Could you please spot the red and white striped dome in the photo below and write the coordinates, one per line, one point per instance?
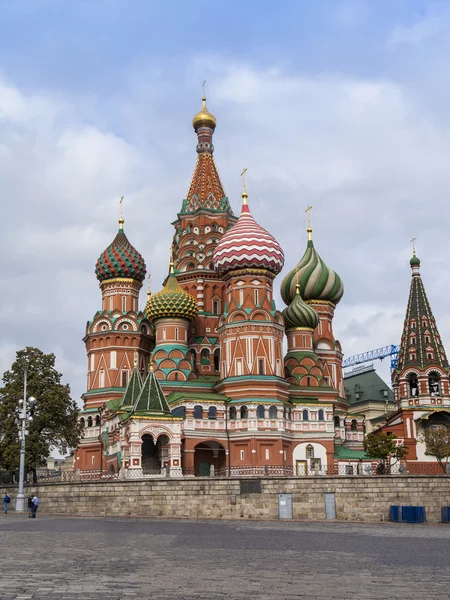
(247, 245)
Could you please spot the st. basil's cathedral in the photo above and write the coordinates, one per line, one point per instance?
(210, 378)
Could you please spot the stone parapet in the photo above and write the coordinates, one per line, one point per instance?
(365, 499)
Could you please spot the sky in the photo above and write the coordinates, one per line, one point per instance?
(339, 104)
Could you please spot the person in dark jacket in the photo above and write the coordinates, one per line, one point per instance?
(6, 501)
(30, 506)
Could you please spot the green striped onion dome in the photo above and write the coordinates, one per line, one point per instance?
(120, 259)
(316, 280)
(300, 314)
(171, 301)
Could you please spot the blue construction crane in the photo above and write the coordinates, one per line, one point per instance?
(379, 354)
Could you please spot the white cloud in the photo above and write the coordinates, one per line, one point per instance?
(425, 27)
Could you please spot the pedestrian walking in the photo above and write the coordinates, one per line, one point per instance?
(35, 506)
(6, 501)
(30, 506)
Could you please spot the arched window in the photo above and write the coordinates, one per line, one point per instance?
(309, 451)
(272, 412)
(413, 385)
(321, 415)
(260, 412)
(97, 421)
(215, 307)
(204, 356)
(427, 339)
(198, 412)
(233, 413)
(89, 422)
(354, 425)
(434, 384)
(244, 412)
(337, 421)
(217, 359)
(82, 422)
(212, 412)
(305, 415)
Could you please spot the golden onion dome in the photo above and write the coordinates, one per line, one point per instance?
(171, 301)
(204, 118)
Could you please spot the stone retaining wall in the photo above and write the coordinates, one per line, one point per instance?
(357, 498)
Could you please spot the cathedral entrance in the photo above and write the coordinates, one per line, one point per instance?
(209, 459)
(154, 455)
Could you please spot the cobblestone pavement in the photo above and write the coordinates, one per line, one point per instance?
(68, 558)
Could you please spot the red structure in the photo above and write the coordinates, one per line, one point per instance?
(199, 382)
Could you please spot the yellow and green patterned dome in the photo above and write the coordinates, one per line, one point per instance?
(300, 314)
(171, 301)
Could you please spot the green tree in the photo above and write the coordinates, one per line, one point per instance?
(437, 440)
(55, 422)
(384, 447)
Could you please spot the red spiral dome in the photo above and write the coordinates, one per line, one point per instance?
(247, 245)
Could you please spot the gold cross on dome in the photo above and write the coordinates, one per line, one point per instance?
(413, 242)
(149, 293)
(244, 179)
(308, 210)
(204, 90)
(120, 202)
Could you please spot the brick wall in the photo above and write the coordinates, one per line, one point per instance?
(357, 498)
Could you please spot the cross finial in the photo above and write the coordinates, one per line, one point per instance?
(413, 242)
(171, 258)
(244, 179)
(309, 228)
(204, 89)
(149, 293)
(121, 219)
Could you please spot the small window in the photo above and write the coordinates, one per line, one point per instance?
(82, 422)
(242, 455)
(267, 453)
(337, 421)
(261, 366)
(176, 333)
(102, 378)
(260, 412)
(212, 412)
(309, 451)
(354, 425)
(215, 307)
(93, 460)
(124, 303)
(308, 381)
(305, 415)
(256, 292)
(244, 412)
(124, 378)
(427, 339)
(176, 376)
(164, 333)
(272, 412)
(198, 412)
(97, 421)
(89, 422)
(321, 415)
(233, 413)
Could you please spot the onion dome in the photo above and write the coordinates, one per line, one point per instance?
(247, 245)
(120, 259)
(415, 261)
(317, 281)
(171, 301)
(204, 118)
(300, 314)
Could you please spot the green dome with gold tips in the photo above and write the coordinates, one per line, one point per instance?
(300, 314)
(317, 281)
(415, 261)
(171, 301)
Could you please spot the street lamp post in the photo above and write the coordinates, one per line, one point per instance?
(24, 418)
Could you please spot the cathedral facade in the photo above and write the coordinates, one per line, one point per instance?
(211, 378)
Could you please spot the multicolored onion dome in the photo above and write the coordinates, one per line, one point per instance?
(316, 280)
(204, 118)
(247, 245)
(171, 301)
(120, 259)
(300, 314)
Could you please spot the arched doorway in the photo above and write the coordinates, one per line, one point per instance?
(154, 456)
(209, 458)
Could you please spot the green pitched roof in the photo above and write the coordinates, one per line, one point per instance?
(366, 385)
(151, 398)
(348, 453)
(133, 389)
(201, 396)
